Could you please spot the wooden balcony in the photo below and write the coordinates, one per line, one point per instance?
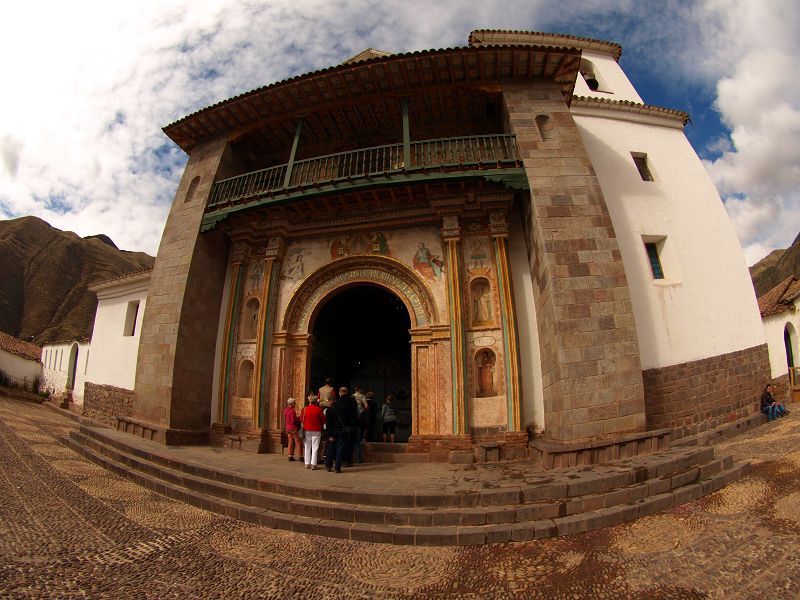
(491, 156)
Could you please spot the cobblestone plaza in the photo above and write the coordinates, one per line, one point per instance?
(70, 529)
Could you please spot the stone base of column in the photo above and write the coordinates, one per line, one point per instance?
(164, 435)
(442, 448)
(257, 440)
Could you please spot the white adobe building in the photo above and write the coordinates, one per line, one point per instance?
(64, 369)
(20, 361)
(780, 312)
(101, 370)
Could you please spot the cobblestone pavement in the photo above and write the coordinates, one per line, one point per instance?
(69, 529)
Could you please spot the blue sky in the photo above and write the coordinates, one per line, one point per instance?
(90, 87)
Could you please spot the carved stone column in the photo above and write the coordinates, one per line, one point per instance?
(239, 253)
(451, 234)
(498, 228)
(272, 258)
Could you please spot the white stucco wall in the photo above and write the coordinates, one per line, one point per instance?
(112, 360)
(706, 305)
(611, 77)
(56, 364)
(774, 327)
(530, 365)
(20, 369)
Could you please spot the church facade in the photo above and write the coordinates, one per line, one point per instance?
(503, 236)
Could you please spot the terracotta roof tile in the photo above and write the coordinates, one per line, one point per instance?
(19, 348)
(780, 298)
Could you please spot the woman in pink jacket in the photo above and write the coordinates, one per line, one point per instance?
(313, 420)
(292, 427)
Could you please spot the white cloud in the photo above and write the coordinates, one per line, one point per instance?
(93, 83)
(758, 96)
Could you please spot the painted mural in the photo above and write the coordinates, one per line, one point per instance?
(359, 243)
(426, 263)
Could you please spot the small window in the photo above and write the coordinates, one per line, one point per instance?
(640, 160)
(130, 318)
(655, 261)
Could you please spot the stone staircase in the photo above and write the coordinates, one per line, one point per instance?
(546, 504)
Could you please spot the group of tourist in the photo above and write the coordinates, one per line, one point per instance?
(343, 421)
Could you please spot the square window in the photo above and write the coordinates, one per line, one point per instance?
(130, 318)
(655, 261)
(640, 160)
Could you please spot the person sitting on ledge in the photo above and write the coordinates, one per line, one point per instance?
(770, 407)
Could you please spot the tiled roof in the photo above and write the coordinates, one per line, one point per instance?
(22, 349)
(480, 37)
(630, 107)
(140, 275)
(780, 298)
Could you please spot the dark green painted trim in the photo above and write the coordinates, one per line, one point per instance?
(513, 178)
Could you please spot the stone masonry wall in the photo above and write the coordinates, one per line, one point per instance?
(695, 396)
(587, 335)
(176, 353)
(105, 402)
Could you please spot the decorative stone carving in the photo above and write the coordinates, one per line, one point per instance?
(383, 271)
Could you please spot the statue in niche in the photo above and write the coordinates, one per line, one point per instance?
(250, 324)
(257, 275)
(487, 385)
(481, 302)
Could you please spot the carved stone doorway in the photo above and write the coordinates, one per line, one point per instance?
(361, 337)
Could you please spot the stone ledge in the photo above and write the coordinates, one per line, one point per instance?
(164, 435)
(552, 455)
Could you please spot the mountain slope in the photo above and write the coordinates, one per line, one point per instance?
(45, 271)
(775, 267)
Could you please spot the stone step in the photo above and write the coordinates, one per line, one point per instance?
(477, 525)
(550, 486)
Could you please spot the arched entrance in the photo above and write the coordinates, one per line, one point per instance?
(361, 337)
(789, 343)
(295, 346)
(72, 367)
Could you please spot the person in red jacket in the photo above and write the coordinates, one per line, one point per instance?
(292, 427)
(313, 420)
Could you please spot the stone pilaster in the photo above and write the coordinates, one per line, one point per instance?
(272, 258)
(176, 354)
(451, 234)
(229, 341)
(498, 227)
(591, 368)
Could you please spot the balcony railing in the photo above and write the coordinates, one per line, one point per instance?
(463, 153)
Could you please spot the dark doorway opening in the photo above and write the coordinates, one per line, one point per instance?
(361, 337)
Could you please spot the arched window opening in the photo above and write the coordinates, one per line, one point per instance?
(790, 344)
(249, 330)
(546, 126)
(72, 367)
(244, 387)
(592, 78)
(485, 368)
(190, 193)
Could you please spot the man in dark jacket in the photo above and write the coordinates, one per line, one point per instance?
(341, 420)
